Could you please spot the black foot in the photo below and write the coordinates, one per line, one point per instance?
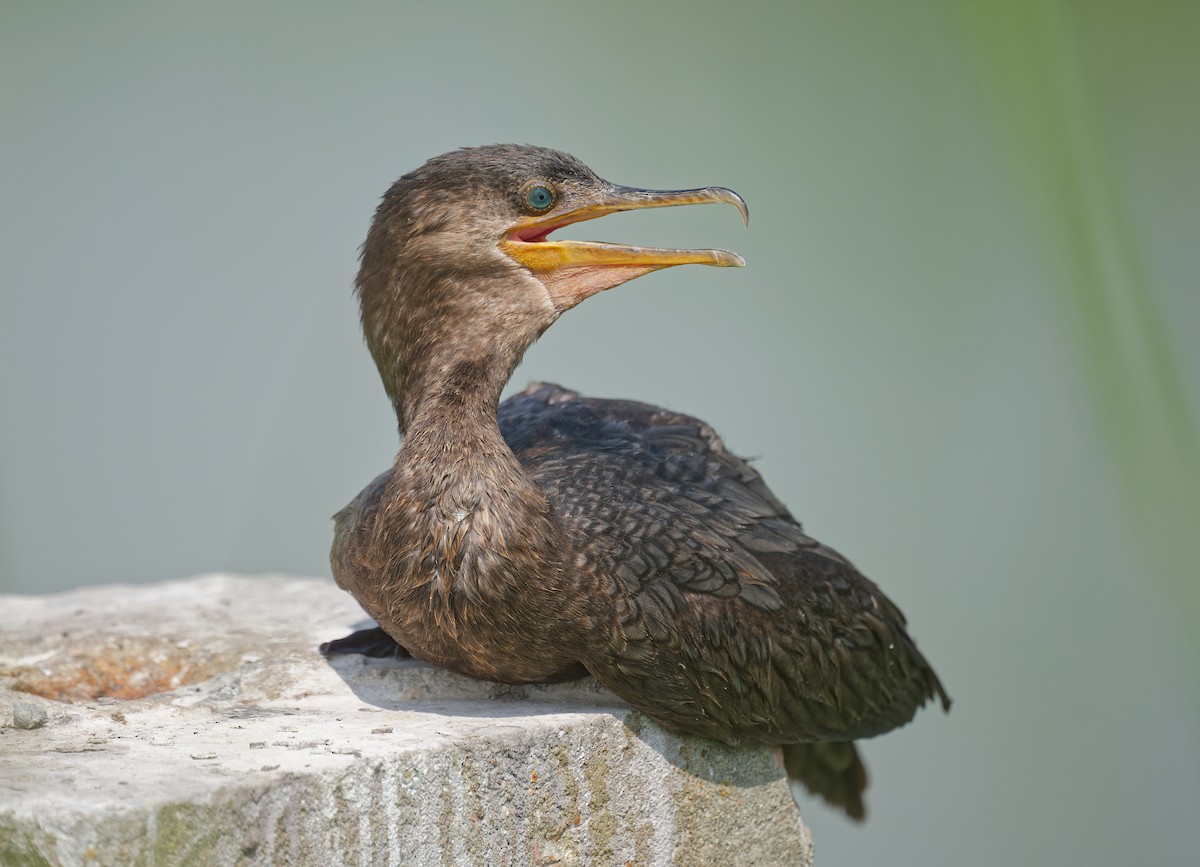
(369, 642)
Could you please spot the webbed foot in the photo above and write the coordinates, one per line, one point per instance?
(374, 643)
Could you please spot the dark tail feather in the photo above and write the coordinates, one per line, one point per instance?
(831, 769)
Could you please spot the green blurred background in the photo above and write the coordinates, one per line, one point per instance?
(965, 346)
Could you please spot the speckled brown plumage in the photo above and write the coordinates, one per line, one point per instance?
(555, 535)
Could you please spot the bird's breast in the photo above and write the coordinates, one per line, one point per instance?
(460, 584)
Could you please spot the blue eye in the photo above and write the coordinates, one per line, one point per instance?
(540, 198)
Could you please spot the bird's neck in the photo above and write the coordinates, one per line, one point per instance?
(445, 346)
(444, 363)
(446, 337)
(455, 402)
(459, 495)
(447, 413)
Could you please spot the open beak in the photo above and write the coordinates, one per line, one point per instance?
(574, 270)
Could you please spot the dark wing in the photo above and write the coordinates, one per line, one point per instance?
(726, 619)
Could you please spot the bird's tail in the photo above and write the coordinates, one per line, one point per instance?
(831, 769)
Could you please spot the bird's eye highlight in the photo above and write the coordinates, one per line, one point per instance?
(540, 198)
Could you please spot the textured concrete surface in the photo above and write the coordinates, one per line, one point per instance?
(194, 722)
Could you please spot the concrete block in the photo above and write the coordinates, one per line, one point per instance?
(194, 722)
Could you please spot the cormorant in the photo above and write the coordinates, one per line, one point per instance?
(556, 535)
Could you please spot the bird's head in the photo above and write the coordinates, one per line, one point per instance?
(459, 264)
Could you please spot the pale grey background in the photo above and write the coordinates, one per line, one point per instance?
(183, 189)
